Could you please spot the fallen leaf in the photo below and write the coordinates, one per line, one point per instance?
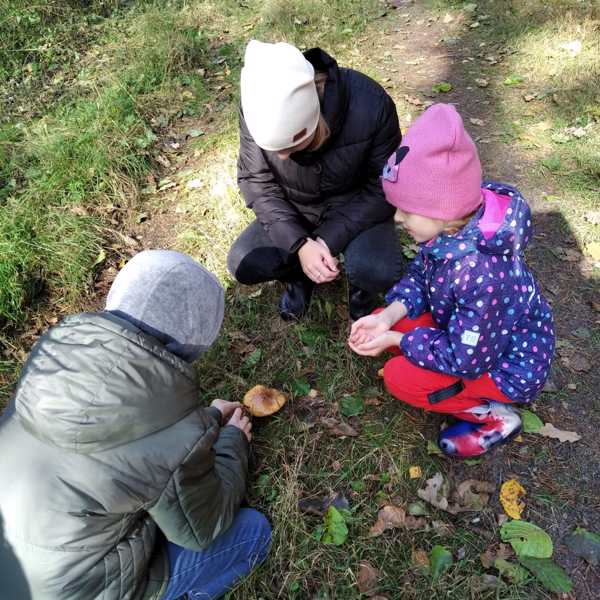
(531, 422)
(514, 573)
(415, 472)
(479, 122)
(448, 18)
(548, 430)
(380, 373)
(579, 363)
(336, 530)
(548, 573)
(585, 544)
(389, 517)
(413, 100)
(337, 428)
(510, 496)
(513, 80)
(415, 523)
(527, 539)
(435, 492)
(442, 87)
(483, 583)
(529, 97)
(482, 83)
(194, 133)
(471, 495)
(373, 402)
(433, 448)
(442, 528)
(420, 558)
(417, 509)
(491, 554)
(100, 258)
(367, 579)
(351, 406)
(440, 560)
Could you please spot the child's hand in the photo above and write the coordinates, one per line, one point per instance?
(240, 420)
(225, 407)
(368, 328)
(376, 346)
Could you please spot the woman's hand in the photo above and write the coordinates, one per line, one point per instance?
(225, 407)
(240, 420)
(317, 262)
(375, 346)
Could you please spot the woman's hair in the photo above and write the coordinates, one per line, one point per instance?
(321, 135)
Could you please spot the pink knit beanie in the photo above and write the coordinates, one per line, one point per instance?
(436, 171)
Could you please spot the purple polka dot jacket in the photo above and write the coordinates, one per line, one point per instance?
(491, 316)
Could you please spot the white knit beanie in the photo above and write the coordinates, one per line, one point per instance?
(279, 95)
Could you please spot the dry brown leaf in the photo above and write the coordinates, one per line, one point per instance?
(442, 528)
(337, 428)
(435, 492)
(503, 551)
(579, 363)
(372, 402)
(471, 494)
(420, 558)
(388, 517)
(368, 578)
(548, 430)
(415, 523)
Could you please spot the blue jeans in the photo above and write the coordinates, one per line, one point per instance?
(208, 574)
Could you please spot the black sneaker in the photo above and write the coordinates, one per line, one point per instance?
(295, 300)
(360, 302)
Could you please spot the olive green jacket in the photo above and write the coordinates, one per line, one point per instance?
(104, 453)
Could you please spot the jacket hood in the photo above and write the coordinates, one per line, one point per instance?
(95, 381)
(502, 225)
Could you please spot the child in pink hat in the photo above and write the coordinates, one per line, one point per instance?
(472, 333)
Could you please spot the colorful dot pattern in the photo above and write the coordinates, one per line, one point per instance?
(482, 286)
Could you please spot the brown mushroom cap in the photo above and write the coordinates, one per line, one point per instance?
(262, 401)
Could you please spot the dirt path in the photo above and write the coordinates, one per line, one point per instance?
(411, 50)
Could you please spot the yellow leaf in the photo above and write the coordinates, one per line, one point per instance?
(415, 472)
(510, 495)
(380, 373)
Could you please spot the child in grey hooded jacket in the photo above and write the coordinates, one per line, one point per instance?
(121, 485)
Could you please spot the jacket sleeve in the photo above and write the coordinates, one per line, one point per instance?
(261, 192)
(411, 290)
(349, 214)
(204, 494)
(479, 329)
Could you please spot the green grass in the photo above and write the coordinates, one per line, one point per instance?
(562, 86)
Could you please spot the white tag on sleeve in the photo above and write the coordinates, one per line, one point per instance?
(469, 338)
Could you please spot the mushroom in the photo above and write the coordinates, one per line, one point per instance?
(262, 401)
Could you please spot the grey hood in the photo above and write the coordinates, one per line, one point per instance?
(172, 297)
(96, 381)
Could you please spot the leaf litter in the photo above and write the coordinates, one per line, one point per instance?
(470, 495)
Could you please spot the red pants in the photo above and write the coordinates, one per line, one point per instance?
(422, 388)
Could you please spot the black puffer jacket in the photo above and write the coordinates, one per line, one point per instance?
(334, 193)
